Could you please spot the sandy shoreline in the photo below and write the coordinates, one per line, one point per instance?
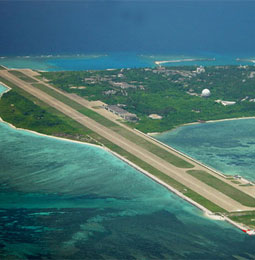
(8, 89)
(50, 136)
(196, 123)
(159, 62)
(207, 213)
(221, 120)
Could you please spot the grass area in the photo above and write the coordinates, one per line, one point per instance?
(25, 111)
(236, 182)
(204, 202)
(247, 218)
(22, 76)
(246, 185)
(223, 187)
(230, 178)
(2, 68)
(178, 186)
(162, 153)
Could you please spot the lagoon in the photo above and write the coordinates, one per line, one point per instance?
(227, 146)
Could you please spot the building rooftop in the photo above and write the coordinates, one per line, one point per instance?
(121, 112)
(117, 109)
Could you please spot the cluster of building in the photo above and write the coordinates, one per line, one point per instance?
(171, 72)
(119, 111)
(199, 70)
(182, 73)
(125, 85)
(225, 103)
(116, 81)
(206, 93)
(155, 116)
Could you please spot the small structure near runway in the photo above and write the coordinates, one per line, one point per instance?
(122, 113)
(155, 116)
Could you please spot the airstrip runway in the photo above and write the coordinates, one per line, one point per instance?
(179, 174)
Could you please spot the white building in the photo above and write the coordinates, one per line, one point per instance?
(155, 116)
(200, 69)
(206, 93)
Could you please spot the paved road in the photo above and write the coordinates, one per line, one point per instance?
(178, 174)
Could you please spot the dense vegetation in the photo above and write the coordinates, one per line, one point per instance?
(247, 217)
(23, 113)
(173, 93)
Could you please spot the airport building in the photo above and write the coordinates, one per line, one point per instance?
(122, 113)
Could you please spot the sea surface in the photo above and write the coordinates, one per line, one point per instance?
(85, 35)
(165, 27)
(227, 146)
(60, 199)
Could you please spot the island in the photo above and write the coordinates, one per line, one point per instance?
(116, 109)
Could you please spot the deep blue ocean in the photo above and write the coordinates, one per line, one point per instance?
(152, 27)
(62, 200)
(115, 34)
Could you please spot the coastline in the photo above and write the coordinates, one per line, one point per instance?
(192, 159)
(206, 213)
(50, 136)
(184, 155)
(153, 135)
(196, 123)
(159, 62)
(219, 120)
(5, 91)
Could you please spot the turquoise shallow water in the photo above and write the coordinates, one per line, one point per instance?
(227, 146)
(119, 60)
(60, 199)
(2, 89)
